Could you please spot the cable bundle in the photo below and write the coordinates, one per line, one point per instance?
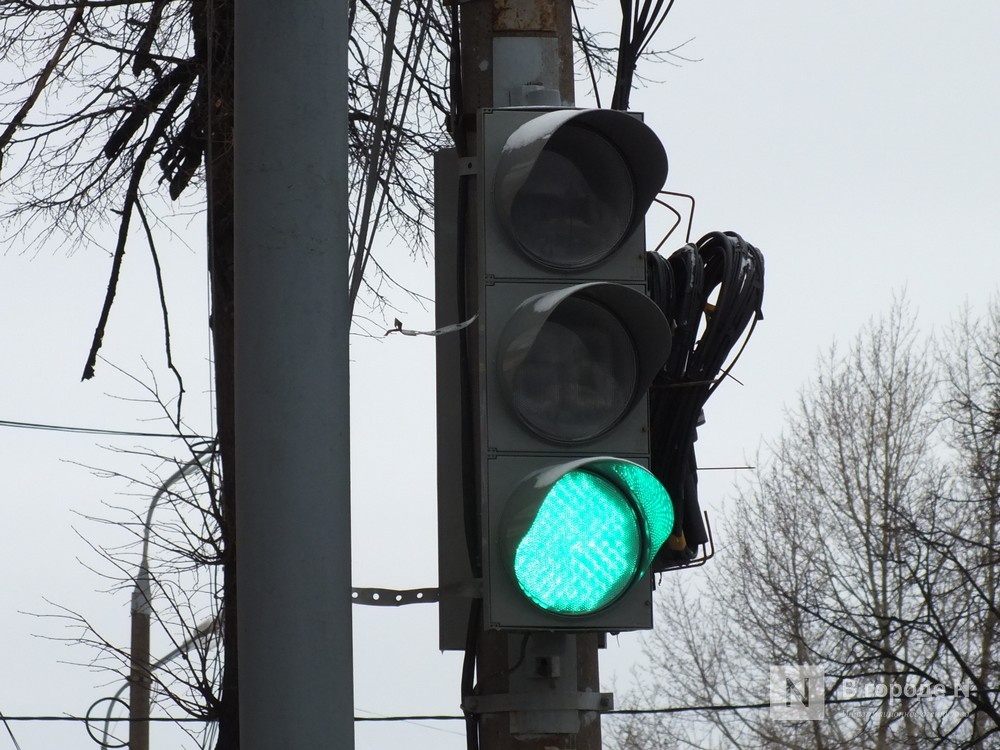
(723, 265)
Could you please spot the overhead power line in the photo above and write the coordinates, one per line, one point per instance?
(449, 717)
(97, 430)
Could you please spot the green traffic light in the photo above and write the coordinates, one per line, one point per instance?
(593, 535)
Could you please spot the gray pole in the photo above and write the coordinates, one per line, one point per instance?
(291, 375)
(139, 678)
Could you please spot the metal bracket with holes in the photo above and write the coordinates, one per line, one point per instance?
(398, 597)
(393, 597)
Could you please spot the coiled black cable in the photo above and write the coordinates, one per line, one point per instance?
(720, 265)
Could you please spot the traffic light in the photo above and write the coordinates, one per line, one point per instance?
(567, 344)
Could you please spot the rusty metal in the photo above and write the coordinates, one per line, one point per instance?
(526, 16)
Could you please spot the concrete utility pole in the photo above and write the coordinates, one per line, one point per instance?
(513, 48)
(291, 374)
(139, 677)
(140, 669)
(516, 53)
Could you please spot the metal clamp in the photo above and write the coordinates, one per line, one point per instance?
(499, 703)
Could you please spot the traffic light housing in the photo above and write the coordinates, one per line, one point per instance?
(567, 344)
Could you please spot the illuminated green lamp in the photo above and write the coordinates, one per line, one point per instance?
(578, 536)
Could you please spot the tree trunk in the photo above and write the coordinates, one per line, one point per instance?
(220, 21)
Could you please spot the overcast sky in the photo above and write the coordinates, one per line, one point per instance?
(852, 141)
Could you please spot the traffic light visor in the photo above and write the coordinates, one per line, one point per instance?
(578, 535)
(572, 185)
(574, 361)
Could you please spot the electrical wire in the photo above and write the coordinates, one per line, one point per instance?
(10, 731)
(720, 266)
(84, 719)
(457, 127)
(639, 25)
(717, 707)
(382, 717)
(98, 431)
(469, 671)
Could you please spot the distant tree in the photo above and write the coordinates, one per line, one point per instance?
(867, 545)
(963, 596)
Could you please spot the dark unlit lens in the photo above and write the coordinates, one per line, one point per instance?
(575, 208)
(579, 377)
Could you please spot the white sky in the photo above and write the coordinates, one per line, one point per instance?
(852, 141)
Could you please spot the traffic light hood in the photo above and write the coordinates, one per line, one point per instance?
(582, 178)
(576, 536)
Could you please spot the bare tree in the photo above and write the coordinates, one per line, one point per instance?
(122, 114)
(864, 546)
(124, 105)
(168, 556)
(964, 548)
